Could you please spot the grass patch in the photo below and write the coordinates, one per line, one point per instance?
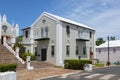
(99, 65)
(58, 66)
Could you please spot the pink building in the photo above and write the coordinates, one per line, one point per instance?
(114, 51)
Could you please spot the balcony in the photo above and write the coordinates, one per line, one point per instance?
(42, 36)
(83, 37)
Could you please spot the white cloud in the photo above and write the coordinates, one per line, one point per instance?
(103, 15)
(107, 23)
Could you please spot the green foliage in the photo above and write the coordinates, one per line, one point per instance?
(18, 44)
(15, 45)
(58, 66)
(19, 38)
(112, 38)
(21, 47)
(75, 64)
(8, 67)
(99, 41)
(24, 56)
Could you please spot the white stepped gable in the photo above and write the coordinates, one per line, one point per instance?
(0, 18)
(12, 30)
(4, 18)
(17, 29)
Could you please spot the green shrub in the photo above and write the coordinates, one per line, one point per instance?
(8, 67)
(24, 56)
(21, 47)
(75, 64)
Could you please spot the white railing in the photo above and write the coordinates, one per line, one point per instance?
(16, 54)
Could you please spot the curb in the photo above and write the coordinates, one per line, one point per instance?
(60, 75)
(105, 66)
(47, 77)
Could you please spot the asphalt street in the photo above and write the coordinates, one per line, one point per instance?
(107, 73)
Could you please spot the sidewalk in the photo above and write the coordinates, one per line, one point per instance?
(37, 74)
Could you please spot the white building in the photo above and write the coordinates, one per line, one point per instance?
(8, 30)
(114, 51)
(52, 38)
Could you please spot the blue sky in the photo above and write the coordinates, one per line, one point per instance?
(103, 15)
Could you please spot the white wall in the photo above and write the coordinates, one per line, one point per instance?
(51, 24)
(8, 75)
(26, 40)
(73, 42)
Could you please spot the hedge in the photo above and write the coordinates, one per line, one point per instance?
(8, 67)
(75, 64)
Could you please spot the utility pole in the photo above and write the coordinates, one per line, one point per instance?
(108, 62)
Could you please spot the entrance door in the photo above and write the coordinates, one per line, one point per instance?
(2, 40)
(91, 55)
(43, 54)
(35, 51)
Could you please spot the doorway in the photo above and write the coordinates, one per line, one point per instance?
(91, 55)
(2, 39)
(43, 54)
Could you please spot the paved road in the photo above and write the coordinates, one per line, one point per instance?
(109, 73)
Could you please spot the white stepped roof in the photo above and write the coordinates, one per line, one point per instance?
(114, 43)
(62, 19)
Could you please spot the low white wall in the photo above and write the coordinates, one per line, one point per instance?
(8, 75)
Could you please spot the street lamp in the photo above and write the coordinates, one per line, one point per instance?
(108, 62)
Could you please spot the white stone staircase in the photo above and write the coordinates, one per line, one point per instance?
(16, 54)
